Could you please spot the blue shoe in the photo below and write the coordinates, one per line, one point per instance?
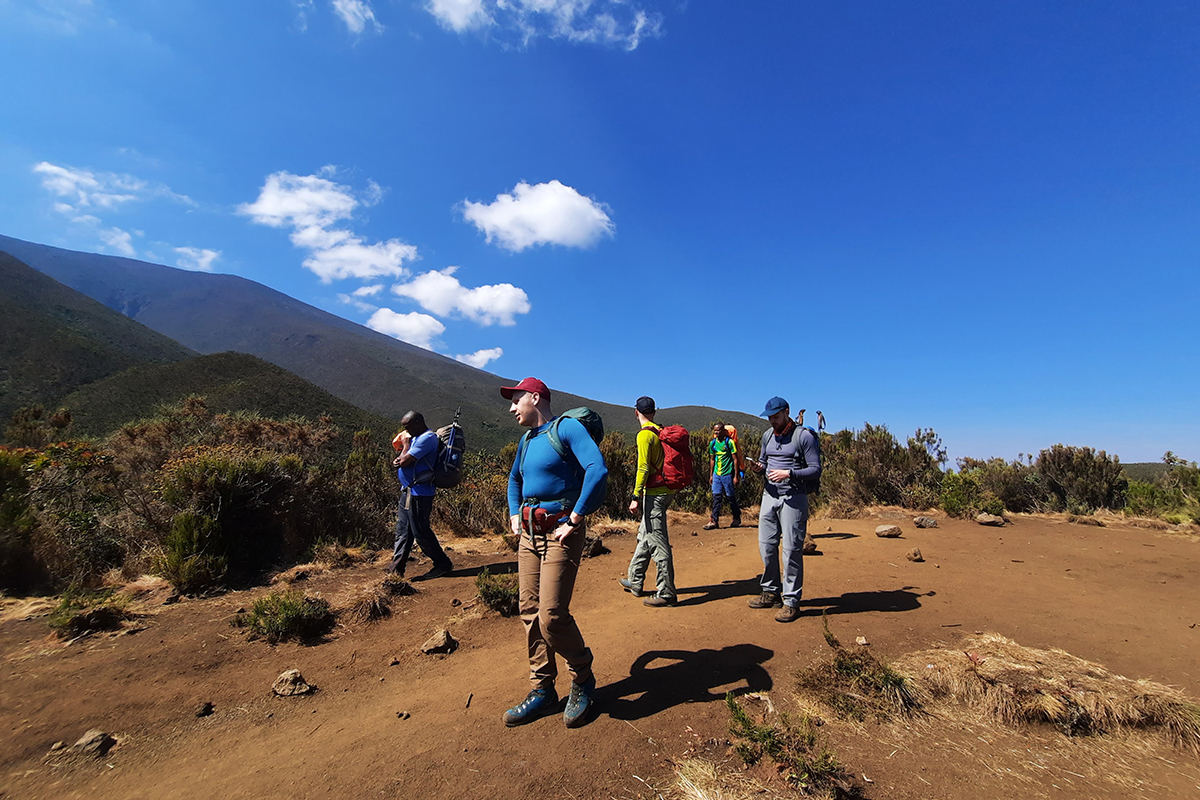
(539, 703)
(579, 703)
(628, 586)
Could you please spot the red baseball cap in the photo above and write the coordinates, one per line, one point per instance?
(527, 385)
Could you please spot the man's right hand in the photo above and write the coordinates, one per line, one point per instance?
(515, 522)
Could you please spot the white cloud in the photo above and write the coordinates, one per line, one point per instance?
(547, 213)
(480, 358)
(414, 328)
(357, 14)
(311, 205)
(83, 188)
(459, 15)
(196, 259)
(368, 291)
(361, 305)
(618, 23)
(441, 293)
(119, 240)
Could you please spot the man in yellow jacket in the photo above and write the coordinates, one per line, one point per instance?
(651, 498)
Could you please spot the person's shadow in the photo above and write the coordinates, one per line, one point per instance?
(685, 677)
(855, 602)
(718, 591)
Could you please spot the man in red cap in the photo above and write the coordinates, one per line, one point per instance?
(557, 478)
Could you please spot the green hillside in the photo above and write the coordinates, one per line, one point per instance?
(1145, 471)
(228, 381)
(54, 339)
(218, 313)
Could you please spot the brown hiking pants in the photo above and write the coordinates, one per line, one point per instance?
(547, 571)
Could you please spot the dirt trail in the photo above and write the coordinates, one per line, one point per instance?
(1124, 597)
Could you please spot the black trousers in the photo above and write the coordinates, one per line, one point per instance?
(412, 523)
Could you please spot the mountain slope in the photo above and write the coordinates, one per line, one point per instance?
(216, 313)
(54, 339)
(227, 381)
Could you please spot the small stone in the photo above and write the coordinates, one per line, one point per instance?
(291, 683)
(57, 746)
(925, 522)
(694, 533)
(204, 709)
(861, 641)
(914, 555)
(888, 531)
(456, 602)
(394, 662)
(594, 546)
(989, 519)
(402, 715)
(440, 642)
(95, 742)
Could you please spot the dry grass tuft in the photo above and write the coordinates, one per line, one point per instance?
(300, 572)
(369, 603)
(856, 685)
(1076, 519)
(1017, 685)
(395, 586)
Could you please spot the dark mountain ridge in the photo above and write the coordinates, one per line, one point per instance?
(215, 313)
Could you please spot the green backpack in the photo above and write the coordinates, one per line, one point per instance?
(589, 419)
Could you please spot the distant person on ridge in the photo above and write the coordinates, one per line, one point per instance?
(415, 471)
(790, 459)
(722, 462)
(548, 497)
(652, 540)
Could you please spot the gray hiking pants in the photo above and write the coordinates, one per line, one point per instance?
(652, 542)
(782, 524)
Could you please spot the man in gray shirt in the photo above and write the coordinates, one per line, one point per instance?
(791, 460)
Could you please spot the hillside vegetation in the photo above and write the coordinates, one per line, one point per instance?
(229, 382)
(54, 339)
(217, 313)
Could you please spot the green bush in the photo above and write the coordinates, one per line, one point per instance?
(793, 744)
(189, 560)
(288, 614)
(1081, 480)
(964, 496)
(1017, 485)
(20, 570)
(499, 592)
(81, 611)
(870, 467)
(479, 504)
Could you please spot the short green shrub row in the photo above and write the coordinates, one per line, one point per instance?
(287, 614)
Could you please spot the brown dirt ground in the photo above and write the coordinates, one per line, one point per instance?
(1122, 596)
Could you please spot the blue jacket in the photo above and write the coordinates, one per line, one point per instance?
(549, 478)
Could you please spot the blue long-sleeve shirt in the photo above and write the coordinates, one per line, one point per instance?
(779, 452)
(548, 477)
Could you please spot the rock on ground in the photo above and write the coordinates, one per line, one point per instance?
(291, 683)
(989, 519)
(440, 642)
(94, 743)
(888, 531)
(914, 555)
(594, 546)
(925, 522)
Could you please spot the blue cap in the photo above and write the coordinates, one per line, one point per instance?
(774, 406)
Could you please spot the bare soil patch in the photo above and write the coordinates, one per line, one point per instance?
(387, 721)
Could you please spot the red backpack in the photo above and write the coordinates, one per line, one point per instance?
(678, 471)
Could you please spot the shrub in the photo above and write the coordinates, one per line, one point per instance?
(1017, 485)
(288, 614)
(498, 592)
(19, 568)
(479, 504)
(1081, 480)
(189, 561)
(80, 612)
(871, 467)
(963, 496)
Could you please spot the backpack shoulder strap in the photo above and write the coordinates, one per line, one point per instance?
(522, 446)
(556, 441)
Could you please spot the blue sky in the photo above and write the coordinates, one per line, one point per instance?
(981, 218)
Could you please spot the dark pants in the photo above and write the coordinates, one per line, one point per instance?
(412, 522)
(722, 486)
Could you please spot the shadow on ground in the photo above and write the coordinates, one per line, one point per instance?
(684, 676)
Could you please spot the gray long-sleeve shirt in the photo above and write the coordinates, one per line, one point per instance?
(798, 454)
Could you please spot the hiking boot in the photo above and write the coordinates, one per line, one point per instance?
(711, 526)
(767, 600)
(579, 703)
(737, 523)
(659, 602)
(788, 614)
(539, 703)
(436, 572)
(628, 586)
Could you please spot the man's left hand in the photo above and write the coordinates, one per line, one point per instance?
(633, 506)
(563, 531)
